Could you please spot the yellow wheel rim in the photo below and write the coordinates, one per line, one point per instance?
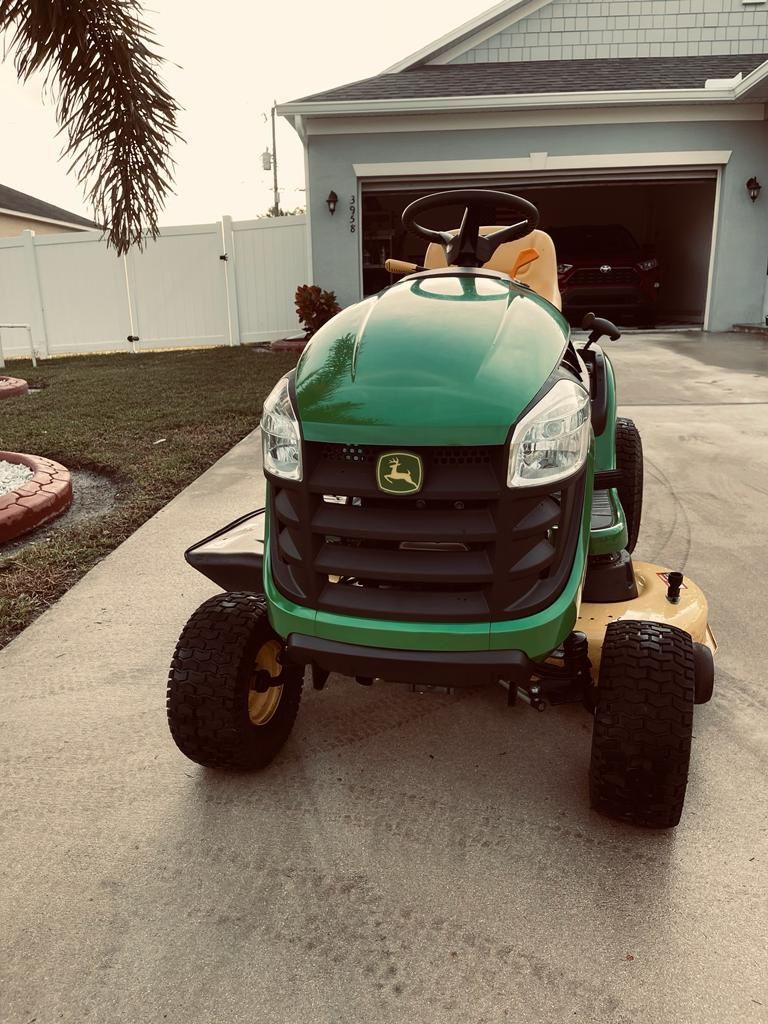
(262, 706)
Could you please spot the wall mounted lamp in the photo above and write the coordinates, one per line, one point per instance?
(332, 202)
(753, 187)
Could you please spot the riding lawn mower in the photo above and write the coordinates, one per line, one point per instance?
(451, 500)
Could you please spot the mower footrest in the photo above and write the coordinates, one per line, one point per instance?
(602, 511)
(437, 668)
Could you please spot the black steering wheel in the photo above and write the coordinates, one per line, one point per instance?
(469, 248)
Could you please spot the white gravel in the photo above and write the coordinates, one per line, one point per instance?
(12, 475)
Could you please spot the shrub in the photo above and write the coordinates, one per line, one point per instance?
(315, 307)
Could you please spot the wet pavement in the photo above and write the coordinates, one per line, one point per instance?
(408, 858)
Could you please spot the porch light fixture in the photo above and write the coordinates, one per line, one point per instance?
(332, 202)
(753, 187)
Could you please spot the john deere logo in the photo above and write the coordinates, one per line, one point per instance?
(399, 473)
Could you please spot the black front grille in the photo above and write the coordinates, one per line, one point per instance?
(465, 548)
(594, 275)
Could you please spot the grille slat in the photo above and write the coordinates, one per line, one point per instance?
(444, 606)
(541, 517)
(534, 561)
(406, 566)
(439, 455)
(286, 510)
(288, 546)
(358, 479)
(468, 526)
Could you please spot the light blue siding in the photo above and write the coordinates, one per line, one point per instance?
(563, 30)
(742, 240)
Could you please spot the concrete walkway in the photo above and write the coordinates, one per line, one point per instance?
(419, 859)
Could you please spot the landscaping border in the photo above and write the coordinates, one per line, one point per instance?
(12, 386)
(46, 494)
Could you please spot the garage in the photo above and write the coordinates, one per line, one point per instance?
(635, 246)
(655, 148)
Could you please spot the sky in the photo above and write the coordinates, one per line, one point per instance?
(226, 71)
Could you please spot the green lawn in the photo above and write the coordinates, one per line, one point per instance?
(103, 413)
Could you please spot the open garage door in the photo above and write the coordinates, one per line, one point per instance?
(664, 215)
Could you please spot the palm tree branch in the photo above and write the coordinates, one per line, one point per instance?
(100, 60)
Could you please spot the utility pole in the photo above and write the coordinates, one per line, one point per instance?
(276, 207)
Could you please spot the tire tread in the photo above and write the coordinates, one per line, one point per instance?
(629, 459)
(643, 727)
(206, 698)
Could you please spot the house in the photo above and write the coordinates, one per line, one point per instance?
(20, 212)
(645, 113)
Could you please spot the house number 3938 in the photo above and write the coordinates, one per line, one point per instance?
(353, 214)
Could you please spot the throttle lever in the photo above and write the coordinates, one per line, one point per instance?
(599, 327)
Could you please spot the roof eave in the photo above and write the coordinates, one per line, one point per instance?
(23, 215)
(521, 101)
(753, 86)
(461, 34)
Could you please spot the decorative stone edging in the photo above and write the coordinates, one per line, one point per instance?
(46, 494)
(12, 386)
(289, 345)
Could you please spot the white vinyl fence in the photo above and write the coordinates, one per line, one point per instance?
(203, 284)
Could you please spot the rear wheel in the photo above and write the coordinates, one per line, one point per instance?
(641, 743)
(231, 702)
(629, 459)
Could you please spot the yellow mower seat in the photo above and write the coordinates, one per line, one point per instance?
(540, 274)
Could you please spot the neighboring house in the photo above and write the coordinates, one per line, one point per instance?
(646, 114)
(20, 212)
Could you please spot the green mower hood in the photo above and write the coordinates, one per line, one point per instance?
(439, 359)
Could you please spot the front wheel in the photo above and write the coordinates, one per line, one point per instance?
(231, 702)
(641, 742)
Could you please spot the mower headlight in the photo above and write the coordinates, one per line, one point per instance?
(280, 436)
(551, 442)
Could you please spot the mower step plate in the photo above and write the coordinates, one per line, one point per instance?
(603, 516)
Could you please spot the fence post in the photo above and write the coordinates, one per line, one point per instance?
(230, 280)
(37, 310)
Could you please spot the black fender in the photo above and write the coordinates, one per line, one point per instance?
(233, 557)
(598, 377)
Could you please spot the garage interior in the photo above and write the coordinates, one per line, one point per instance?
(672, 218)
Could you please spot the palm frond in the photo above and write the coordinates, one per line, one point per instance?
(100, 61)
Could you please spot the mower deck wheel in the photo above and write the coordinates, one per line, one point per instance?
(224, 710)
(705, 673)
(641, 742)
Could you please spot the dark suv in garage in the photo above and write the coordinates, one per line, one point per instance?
(602, 268)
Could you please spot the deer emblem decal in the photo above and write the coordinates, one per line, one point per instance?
(399, 473)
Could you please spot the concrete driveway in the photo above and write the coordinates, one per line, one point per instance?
(420, 859)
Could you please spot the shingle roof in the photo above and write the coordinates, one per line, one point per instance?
(544, 76)
(21, 203)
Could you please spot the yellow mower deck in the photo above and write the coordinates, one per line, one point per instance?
(650, 605)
